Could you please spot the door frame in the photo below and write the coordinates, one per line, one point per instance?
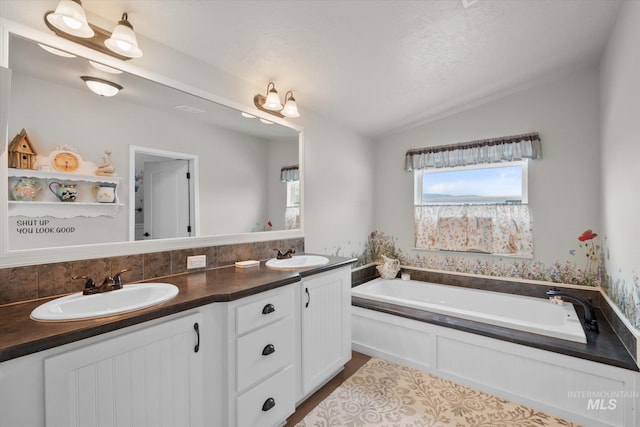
(193, 182)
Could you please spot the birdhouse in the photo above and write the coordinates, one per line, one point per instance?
(21, 152)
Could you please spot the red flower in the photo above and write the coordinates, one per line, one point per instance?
(269, 224)
(587, 235)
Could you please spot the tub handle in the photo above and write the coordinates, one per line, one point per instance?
(308, 297)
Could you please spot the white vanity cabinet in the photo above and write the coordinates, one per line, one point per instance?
(325, 328)
(149, 377)
(260, 351)
(146, 374)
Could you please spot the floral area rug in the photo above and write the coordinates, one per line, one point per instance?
(382, 393)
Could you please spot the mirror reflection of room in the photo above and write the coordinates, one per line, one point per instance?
(240, 188)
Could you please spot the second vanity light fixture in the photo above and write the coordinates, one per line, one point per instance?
(272, 105)
(70, 22)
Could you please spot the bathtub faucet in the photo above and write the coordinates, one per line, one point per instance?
(589, 313)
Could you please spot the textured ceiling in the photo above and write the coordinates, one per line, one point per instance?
(377, 66)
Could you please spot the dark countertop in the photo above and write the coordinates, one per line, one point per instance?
(21, 336)
(604, 347)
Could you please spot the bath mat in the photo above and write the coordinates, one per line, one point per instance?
(382, 393)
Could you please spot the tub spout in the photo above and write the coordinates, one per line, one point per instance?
(590, 320)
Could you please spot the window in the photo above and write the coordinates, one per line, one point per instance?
(293, 194)
(493, 183)
(480, 208)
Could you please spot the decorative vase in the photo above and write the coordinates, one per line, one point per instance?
(26, 189)
(104, 193)
(64, 192)
(389, 268)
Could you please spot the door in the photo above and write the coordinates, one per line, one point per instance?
(167, 199)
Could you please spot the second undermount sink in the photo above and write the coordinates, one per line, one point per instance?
(299, 261)
(81, 307)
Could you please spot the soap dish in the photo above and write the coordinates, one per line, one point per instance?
(247, 264)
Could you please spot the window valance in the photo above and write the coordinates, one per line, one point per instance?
(504, 149)
(289, 173)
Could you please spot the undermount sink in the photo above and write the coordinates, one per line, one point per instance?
(81, 307)
(299, 261)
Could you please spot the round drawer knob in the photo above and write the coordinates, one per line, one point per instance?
(268, 404)
(268, 349)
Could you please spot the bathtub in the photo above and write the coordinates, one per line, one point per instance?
(528, 314)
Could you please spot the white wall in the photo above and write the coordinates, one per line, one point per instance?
(620, 92)
(563, 186)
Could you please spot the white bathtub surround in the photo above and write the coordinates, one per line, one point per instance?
(589, 393)
(522, 313)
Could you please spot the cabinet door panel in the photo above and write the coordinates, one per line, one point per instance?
(326, 333)
(147, 377)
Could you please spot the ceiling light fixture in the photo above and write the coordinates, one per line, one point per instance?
(272, 105)
(121, 44)
(123, 40)
(69, 17)
(101, 87)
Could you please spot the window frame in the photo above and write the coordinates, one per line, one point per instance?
(418, 177)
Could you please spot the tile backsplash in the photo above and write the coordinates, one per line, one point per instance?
(45, 280)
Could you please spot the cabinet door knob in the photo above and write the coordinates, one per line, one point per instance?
(268, 349)
(268, 404)
(269, 308)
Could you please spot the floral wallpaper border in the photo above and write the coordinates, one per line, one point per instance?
(624, 295)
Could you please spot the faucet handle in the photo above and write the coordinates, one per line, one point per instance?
(117, 279)
(89, 286)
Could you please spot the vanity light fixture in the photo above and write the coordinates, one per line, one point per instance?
(70, 18)
(101, 87)
(272, 105)
(290, 107)
(123, 40)
(121, 44)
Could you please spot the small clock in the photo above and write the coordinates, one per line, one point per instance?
(65, 161)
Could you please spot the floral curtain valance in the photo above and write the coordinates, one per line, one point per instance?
(508, 148)
(502, 229)
(289, 173)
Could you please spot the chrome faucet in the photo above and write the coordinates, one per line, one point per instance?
(590, 320)
(285, 255)
(108, 284)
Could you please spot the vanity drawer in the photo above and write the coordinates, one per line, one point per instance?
(264, 351)
(269, 403)
(276, 305)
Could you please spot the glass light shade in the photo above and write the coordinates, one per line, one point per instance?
(290, 108)
(273, 101)
(105, 68)
(55, 51)
(123, 40)
(69, 17)
(101, 87)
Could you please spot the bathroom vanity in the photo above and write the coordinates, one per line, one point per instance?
(236, 347)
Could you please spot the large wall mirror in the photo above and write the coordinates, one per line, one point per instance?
(240, 164)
